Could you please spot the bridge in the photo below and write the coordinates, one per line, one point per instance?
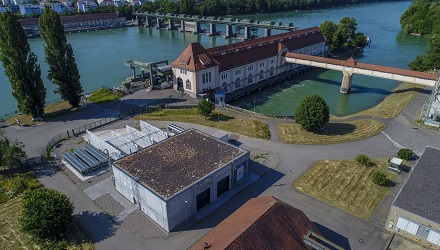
(351, 66)
(192, 23)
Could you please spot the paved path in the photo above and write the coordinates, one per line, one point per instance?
(347, 230)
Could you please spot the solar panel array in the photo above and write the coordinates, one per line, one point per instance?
(86, 160)
(98, 154)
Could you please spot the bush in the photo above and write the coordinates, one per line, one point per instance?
(313, 113)
(46, 214)
(363, 160)
(379, 178)
(205, 107)
(405, 153)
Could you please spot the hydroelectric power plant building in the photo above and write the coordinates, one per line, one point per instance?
(240, 68)
(175, 179)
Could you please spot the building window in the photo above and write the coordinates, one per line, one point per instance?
(225, 86)
(272, 71)
(206, 78)
(237, 83)
(183, 71)
(262, 65)
(250, 68)
(238, 72)
(250, 78)
(224, 76)
(272, 61)
(188, 85)
(261, 75)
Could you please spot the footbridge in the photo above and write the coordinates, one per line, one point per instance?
(351, 66)
(192, 23)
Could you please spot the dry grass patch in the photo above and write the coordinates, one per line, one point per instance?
(333, 133)
(248, 127)
(392, 105)
(346, 185)
(50, 110)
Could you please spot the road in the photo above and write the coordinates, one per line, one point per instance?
(349, 231)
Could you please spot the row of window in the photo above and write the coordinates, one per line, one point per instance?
(418, 230)
(206, 78)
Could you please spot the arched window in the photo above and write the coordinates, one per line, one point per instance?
(250, 78)
(225, 86)
(261, 75)
(237, 83)
(188, 85)
(272, 71)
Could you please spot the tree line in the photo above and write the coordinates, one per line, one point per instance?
(236, 7)
(22, 67)
(423, 18)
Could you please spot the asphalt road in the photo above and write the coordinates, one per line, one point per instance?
(347, 230)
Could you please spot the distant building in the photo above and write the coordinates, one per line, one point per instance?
(85, 6)
(29, 9)
(60, 8)
(8, 2)
(415, 212)
(242, 67)
(18, 2)
(264, 223)
(172, 180)
(105, 3)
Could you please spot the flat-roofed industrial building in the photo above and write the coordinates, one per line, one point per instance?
(415, 212)
(172, 180)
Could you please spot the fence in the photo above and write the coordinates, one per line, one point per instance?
(96, 124)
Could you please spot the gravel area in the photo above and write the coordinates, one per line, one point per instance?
(106, 202)
(137, 223)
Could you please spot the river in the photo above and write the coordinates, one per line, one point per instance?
(100, 55)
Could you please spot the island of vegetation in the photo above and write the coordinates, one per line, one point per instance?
(423, 18)
(343, 36)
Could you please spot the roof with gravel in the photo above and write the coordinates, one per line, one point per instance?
(176, 163)
(420, 194)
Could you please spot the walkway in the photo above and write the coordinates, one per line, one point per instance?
(293, 161)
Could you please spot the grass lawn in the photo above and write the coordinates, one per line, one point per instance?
(334, 132)
(248, 127)
(346, 185)
(51, 110)
(11, 237)
(393, 104)
(104, 95)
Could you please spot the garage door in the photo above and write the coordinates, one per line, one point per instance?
(203, 198)
(223, 186)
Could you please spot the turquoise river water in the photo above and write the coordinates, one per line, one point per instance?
(100, 55)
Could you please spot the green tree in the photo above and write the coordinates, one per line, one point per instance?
(379, 178)
(206, 107)
(363, 160)
(63, 70)
(405, 153)
(12, 153)
(46, 214)
(328, 28)
(21, 67)
(313, 113)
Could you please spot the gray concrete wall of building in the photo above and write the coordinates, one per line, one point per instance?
(391, 225)
(146, 200)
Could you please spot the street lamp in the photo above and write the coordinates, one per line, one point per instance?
(186, 212)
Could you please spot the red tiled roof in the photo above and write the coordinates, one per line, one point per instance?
(193, 58)
(237, 54)
(353, 63)
(256, 53)
(261, 223)
(34, 21)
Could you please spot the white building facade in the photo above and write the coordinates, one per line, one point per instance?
(243, 66)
